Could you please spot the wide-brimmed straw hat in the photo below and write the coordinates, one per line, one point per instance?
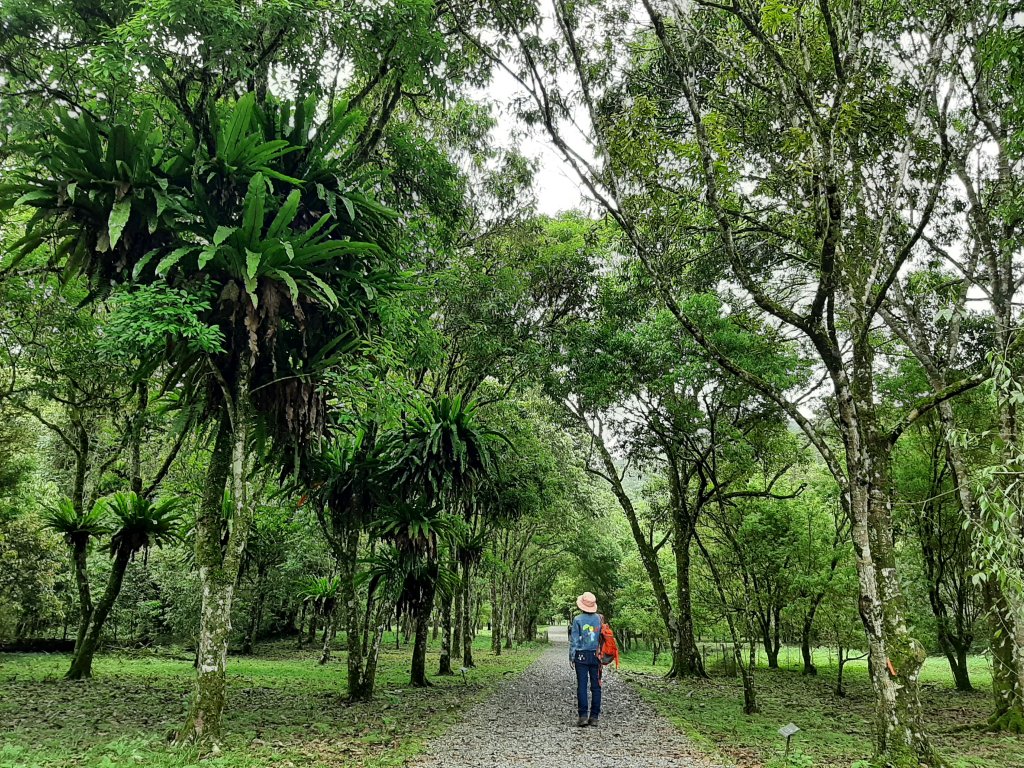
(587, 602)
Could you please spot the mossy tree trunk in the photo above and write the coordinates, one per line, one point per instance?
(686, 658)
(325, 647)
(421, 629)
(81, 663)
(218, 558)
(445, 664)
(895, 657)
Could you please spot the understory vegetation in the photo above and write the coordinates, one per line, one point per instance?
(835, 732)
(283, 709)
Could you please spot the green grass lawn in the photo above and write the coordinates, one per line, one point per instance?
(834, 731)
(283, 710)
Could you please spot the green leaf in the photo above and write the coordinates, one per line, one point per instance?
(252, 216)
(329, 293)
(141, 264)
(119, 215)
(350, 208)
(168, 261)
(28, 197)
(288, 280)
(286, 215)
(252, 264)
(206, 256)
(222, 234)
(239, 122)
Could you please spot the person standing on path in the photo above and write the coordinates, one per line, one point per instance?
(584, 641)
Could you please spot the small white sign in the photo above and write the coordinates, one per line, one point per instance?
(788, 730)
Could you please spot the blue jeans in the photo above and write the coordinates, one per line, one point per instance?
(588, 670)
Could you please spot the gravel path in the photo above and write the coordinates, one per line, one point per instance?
(531, 721)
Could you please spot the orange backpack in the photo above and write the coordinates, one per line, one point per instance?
(607, 648)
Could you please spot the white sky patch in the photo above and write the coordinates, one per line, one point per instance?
(557, 187)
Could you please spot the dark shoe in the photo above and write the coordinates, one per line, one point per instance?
(592, 722)
(583, 723)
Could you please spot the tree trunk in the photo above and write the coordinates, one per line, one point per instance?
(467, 621)
(353, 616)
(325, 652)
(686, 658)
(1007, 687)
(445, 665)
(218, 570)
(1007, 643)
(418, 671)
(510, 617)
(256, 616)
(81, 664)
(457, 621)
(496, 617)
(682, 658)
(958, 665)
(80, 546)
(301, 628)
(311, 629)
(805, 646)
(895, 658)
(79, 559)
(840, 690)
(770, 640)
(747, 673)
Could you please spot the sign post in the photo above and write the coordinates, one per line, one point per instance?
(787, 731)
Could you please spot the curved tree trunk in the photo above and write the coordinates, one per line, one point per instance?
(79, 559)
(81, 664)
(685, 660)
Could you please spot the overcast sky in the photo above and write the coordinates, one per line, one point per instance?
(556, 186)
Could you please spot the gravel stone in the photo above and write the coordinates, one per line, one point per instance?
(531, 721)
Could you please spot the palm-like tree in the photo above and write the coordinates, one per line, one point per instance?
(271, 228)
(79, 527)
(439, 458)
(323, 593)
(345, 481)
(135, 524)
